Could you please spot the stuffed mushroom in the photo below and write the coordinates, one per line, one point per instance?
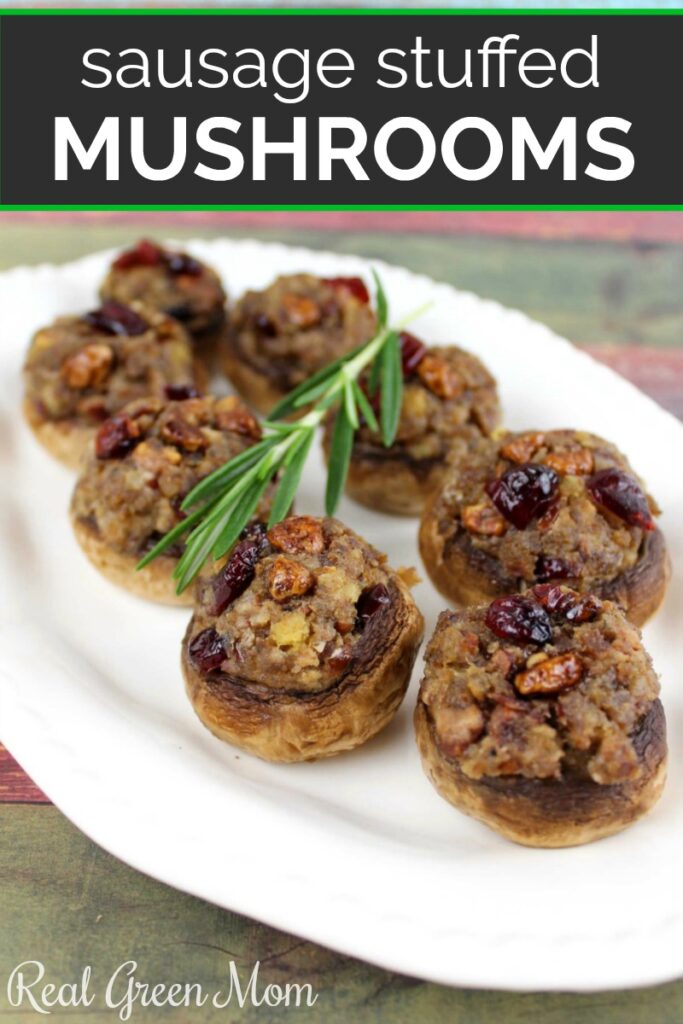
(147, 458)
(280, 336)
(82, 369)
(542, 506)
(540, 716)
(449, 398)
(302, 644)
(174, 283)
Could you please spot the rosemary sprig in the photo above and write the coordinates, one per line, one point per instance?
(222, 504)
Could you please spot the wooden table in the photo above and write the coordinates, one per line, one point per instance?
(610, 282)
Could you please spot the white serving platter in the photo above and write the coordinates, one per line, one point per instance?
(357, 853)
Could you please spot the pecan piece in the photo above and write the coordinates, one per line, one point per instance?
(298, 534)
(231, 414)
(176, 430)
(572, 462)
(87, 368)
(289, 579)
(437, 375)
(522, 448)
(457, 728)
(550, 676)
(300, 310)
(484, 519)
(561, 600)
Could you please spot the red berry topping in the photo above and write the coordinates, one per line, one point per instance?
(520, 619)
(115, 318)
(239, 570)
(179, 263)
(354, 285)
(207, 651)
(144, 254)
(116, 437)
(621, 494)
(550, 568)
(369, 603)
(179, 392)
(149, 254)
(524, 492)
(412, 353)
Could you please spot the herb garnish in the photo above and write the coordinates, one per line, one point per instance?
(223, 503)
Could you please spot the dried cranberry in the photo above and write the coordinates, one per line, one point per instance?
(524, 492)
(180, 263)
(115, 318)
(412, 353)
(570, 604)
(236, 574)
(550, 568)
(180, 392)
(369, 603)
(207, 650)
(116, 437)
(144, 254)
(519, 618)
(620, 493)
(264, 325)
(354, 285)
(257, 531)
(183, 312)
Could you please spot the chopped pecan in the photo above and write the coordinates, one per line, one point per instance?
(561, 600)
(484, 519)
(550, 676)
(522, 448)
(300, 310)
(440, 377)
(298, 534)
(154, 458)
(457, 728)
(572, 462)
(176, 430)
(231, 414)
(289, 579)
(87, 368)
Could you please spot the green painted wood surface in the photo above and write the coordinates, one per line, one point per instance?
(67, 903)
(592, 292)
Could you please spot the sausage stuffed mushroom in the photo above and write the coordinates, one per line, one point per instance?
(449, 399)
(535, 507)
(82, 369)
(540, 716)
(282, 335)
(147, 459)
(174, 283)
(301, 646)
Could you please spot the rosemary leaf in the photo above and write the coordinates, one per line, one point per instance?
(289, 482)
(241, 514)
(366, 409)
(224, 475)
(391, 388)
(380, 301)
(350, 405)
(289, 402)
(169, 538)
(340, 456)
(224, 502)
